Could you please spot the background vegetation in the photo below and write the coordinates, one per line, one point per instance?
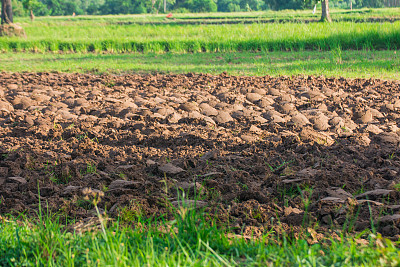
(103, 7)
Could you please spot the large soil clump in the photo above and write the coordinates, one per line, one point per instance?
(12, 30)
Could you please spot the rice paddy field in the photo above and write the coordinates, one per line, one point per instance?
(108, 34)
(218, 139)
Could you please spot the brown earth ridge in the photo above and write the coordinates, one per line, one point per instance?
(256, 151)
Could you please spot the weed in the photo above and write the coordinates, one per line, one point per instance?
(243, 186)
(85, 204)
(337, 55)
(397, 187)
(278, 168)
(82, 136)
(360, 191)
(90, 168)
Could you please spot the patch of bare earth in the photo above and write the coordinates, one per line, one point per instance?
(261, 151)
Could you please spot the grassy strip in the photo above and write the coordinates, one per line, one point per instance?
(98, 37)
(191, 239)
(349, 64)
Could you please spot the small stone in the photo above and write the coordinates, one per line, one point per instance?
(318, 137)
(321, 122)
(174, 117)
(332, 199)
(118, 184)
(390, 219)
(6, 107)
(150, 162)
(385, 137)
(337, 121)
(170, 169)
(253, 97)
(277, 119)
(366, 117)
(373, 129)
(12, 86)
(189, 106)
(274, 92)
(300, 120)
(389, 107)
(375, 193)
(396, 104)
(195, 115)
(223, 117)
(290, 210)
(16, 179)
(376, 113)
(339, 192)
(286, 108)
(70, 190)
(248, 138)
(210, 155)
(3, 171)
(255, 129)
(265, 102)
(208, 120)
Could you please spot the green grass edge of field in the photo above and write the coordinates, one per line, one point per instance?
(335, 63)
(190, 239)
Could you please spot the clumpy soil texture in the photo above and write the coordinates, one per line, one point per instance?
(256, 152)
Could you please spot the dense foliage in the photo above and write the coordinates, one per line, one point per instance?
(98, 7)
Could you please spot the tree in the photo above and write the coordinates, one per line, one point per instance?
(287, 4)
(325, 16)
(325, 11)
(8, 28)
(6, 12)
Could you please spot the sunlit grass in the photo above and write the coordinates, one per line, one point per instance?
(190, 238)
(350, 64)
(98, 37)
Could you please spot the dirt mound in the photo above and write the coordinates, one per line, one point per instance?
(12, 30)
(262, 151)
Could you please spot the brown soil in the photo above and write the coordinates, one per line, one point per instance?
(12, 30)
(262, 151)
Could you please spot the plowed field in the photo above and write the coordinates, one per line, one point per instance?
(255, 151)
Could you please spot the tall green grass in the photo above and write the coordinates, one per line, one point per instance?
(55, 37)
(189, 239)
(351, 64)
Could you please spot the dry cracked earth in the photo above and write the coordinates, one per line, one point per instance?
(256, 151)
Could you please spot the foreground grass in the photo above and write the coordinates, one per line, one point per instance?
(350, 64)
(188, 240)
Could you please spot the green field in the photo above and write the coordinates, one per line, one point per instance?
(72, 37)
(351, 64)
(150, 43)
(113, 34)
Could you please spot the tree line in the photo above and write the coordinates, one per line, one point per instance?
(105, 7)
